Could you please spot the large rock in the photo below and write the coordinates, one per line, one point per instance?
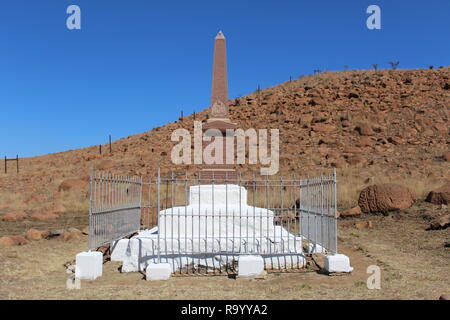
(446, 156)
(365, 129)
(43, 216)
(58, 208)
(386, 197)
(71, 184)
(19, 240)
(105, 165)
(14, 216)
(351, 212)
(440, 195)
(6, 242)
(323, 127)
(34, 235)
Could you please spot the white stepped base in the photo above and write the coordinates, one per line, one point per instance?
(141, 250)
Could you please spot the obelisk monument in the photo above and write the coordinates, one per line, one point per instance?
(218, 114)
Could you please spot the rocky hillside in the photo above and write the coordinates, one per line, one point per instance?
(371, 125)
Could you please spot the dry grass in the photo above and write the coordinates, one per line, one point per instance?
(397, 244)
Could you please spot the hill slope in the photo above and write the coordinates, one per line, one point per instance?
(372, 125)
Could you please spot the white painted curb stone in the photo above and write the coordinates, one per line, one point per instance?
(89, 265)
(249, 266)
(158, 271)
(337, 263)
(119, 249)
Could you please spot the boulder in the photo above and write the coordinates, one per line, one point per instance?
(105, 165)
(324, 128)
(72, 184)
(446, 156)
(440, 196)
(19, 240)
(6, 242)
(14, 216)
(34, 235)
(43, 216)
(386, 197)
(364, 129)
(58, 208)
(363, 225)
(355, 160)
(351, 212)
(68, 235)
(75, 231)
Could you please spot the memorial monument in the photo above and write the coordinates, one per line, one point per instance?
(219, 114)
(217, 226)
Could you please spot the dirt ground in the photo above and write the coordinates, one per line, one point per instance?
(414, 264)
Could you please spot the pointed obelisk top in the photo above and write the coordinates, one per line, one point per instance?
(220, 35)
(219, 95)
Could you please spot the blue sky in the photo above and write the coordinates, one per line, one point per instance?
(136, 64)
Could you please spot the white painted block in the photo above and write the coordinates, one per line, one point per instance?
(315, 248)
(89, 265)
(158, 271)
(119, 249)
(249, 266)
(337, 263)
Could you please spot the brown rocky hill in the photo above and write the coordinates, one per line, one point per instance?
(373, 126)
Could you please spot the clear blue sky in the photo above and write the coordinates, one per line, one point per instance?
(135, 64)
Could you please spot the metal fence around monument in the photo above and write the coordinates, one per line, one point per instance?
(114, 207)
(284, 217)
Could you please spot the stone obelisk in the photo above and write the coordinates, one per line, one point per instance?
(219, 115)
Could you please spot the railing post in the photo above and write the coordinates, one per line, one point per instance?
(335, 208)
(159, 208)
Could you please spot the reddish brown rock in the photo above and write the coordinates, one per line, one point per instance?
(35, 199)
(338, 164)
(19, 240)
(440, 195)
(105, 165)
(323, 128)
(363, 225)
(6, 242)
(68, 236)
(355, 160)
(396, 140)
(386, 197)
(75, 231)
(351, 212)
(43, 216)
(365, 141)
(446, 156)
(34, 235)
(71, 184)
(14, 216)
(58, 208)
(365, 129)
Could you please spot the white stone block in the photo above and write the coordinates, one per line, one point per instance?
(315, 248)
(119, 249)
(249, 266)
(89, 265)
(337, 263)
(158, 271)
